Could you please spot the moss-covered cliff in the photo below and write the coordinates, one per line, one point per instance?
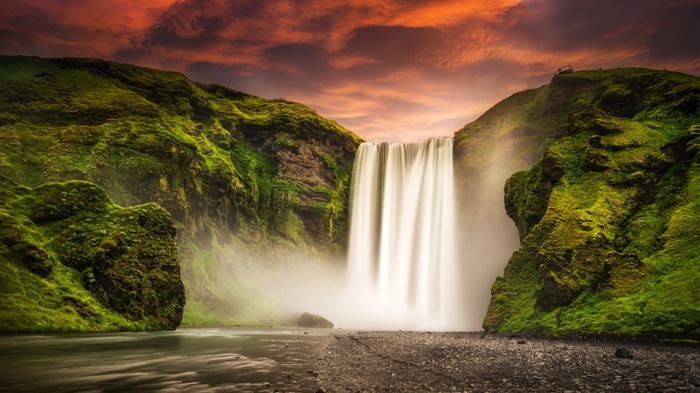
(239, 174)
(608, 215)
(71, 260)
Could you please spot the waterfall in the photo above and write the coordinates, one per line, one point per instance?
(402, 228)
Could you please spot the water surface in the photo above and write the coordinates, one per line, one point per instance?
(196, 360)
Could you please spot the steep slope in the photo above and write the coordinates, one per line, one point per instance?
(243, 177)
(607, 216)
(71, 260)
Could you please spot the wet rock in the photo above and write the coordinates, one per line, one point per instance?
(314, 321)
(623, 353)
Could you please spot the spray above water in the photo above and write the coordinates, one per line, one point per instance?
(401, 259)
(411, 264)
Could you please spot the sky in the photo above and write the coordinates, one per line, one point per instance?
(389, 70)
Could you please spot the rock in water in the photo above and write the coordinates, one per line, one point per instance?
(314, 321)
(623, 353)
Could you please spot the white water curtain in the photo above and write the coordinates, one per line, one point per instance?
(402, 231)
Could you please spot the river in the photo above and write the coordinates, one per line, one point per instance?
(185, 360)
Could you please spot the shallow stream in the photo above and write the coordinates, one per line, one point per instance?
(196, 360)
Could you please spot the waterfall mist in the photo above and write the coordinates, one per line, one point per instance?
(423, 250)
(486, 236)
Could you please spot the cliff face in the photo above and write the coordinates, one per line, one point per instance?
(239, 174)
(607, 215)
(71, 260)
(600, 171)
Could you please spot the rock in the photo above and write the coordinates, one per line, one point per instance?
(589, 169)
(623, 353)
(280, 172)
(553, 166)
(314, 321)
(597, 161)
(126, 258)
(595, 141)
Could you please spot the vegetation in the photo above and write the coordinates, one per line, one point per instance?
(239, 174)
(608, 214)
(71, 260)
(605, 192)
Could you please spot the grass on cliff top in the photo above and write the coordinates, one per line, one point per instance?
(523, 125)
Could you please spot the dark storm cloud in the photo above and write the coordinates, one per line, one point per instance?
(565, 25)
(678, 35)
(208, 72)
(17, 42)
(41, 24)
(248, 79)
(195, 31)
(394, 44)
(199, 26)
(665, 29)
(37, 32)
(309, 59)
(383, 68)
(166, 34)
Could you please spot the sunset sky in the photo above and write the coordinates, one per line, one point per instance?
(385, 69)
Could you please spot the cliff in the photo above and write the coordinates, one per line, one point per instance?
(606, 205)
(244, 178)
(71, 260)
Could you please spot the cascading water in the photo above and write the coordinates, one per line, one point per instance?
(402, 233)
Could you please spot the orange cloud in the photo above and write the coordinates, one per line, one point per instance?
(387, 69)
(449, 12)
(89, 28)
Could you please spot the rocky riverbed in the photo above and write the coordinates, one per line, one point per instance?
(445, 362)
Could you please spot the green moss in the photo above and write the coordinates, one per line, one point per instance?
(73, 261)
(605, 214)
(226, 165)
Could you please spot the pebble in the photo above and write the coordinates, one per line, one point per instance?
(443, 362)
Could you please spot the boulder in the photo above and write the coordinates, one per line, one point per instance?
(623, 353)
(314, 321)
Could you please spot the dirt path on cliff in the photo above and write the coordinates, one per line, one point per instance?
(465, 362)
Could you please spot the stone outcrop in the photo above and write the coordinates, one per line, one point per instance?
(314, 321)
(604, 196)
(111, 268)
(243, 178)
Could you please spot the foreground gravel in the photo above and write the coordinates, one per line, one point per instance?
(444, 362)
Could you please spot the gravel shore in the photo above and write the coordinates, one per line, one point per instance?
(467, 362)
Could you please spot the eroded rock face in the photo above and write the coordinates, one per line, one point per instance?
(314, 321)
(126, 257)
(608, 197)
(266, 177)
